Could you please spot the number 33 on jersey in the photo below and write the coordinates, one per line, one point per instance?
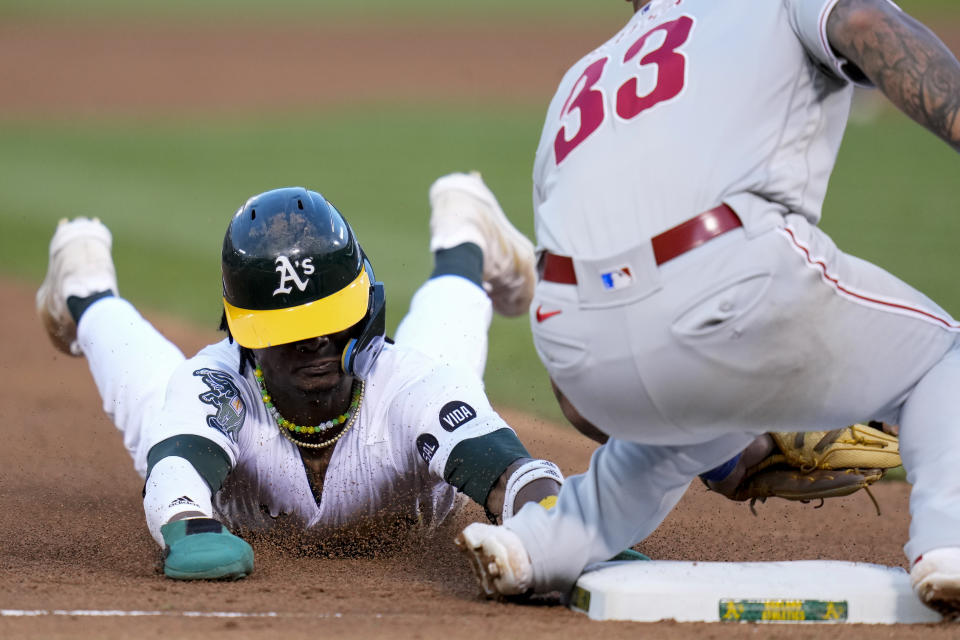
(653, 69)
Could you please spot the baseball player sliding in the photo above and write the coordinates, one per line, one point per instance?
(306, 411)
(687, 300)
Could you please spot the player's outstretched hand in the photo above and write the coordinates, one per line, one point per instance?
(203, 549)
(498, 559)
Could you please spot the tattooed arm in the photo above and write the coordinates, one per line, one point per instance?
(904, 59)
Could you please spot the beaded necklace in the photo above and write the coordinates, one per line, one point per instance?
(286, 427)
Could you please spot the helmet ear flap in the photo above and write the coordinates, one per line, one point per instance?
(361, 352)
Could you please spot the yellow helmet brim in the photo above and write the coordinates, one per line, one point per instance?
(261, 328)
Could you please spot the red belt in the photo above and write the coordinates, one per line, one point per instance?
(666, 246)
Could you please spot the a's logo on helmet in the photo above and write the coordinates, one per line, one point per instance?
(288, 273)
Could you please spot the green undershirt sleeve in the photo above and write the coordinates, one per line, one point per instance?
(475, 465)
(206, 456)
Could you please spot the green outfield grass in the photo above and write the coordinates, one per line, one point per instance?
(167, 189)
(931, 10)
(893, 200)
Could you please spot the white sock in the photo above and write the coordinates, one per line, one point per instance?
(174, 487)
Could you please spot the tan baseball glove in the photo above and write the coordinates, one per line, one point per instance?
(814, 465)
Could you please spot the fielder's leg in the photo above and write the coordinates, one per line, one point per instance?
(905, 351)
(596, 515)
(930, 448)
(129, 359)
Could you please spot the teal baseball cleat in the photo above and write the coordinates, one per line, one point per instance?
(203, 549)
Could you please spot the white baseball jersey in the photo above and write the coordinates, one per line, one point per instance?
(647, 130)
(414, 411)
(419, 403)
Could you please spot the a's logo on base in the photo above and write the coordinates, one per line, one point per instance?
(782, 610)
(580, 599)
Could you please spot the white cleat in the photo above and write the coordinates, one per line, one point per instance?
(80, 265)
(463, 209)
(498, 559)
(935, 577)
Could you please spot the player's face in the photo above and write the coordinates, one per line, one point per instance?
(311, 365)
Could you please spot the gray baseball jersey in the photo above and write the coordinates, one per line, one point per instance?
(648, 129)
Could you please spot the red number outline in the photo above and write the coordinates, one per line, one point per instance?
(671, 69)
(589, 102)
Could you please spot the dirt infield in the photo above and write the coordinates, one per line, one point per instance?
(72, 533)
(141, 69)
(69, 69)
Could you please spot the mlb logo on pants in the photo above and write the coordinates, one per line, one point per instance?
(617, 279)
